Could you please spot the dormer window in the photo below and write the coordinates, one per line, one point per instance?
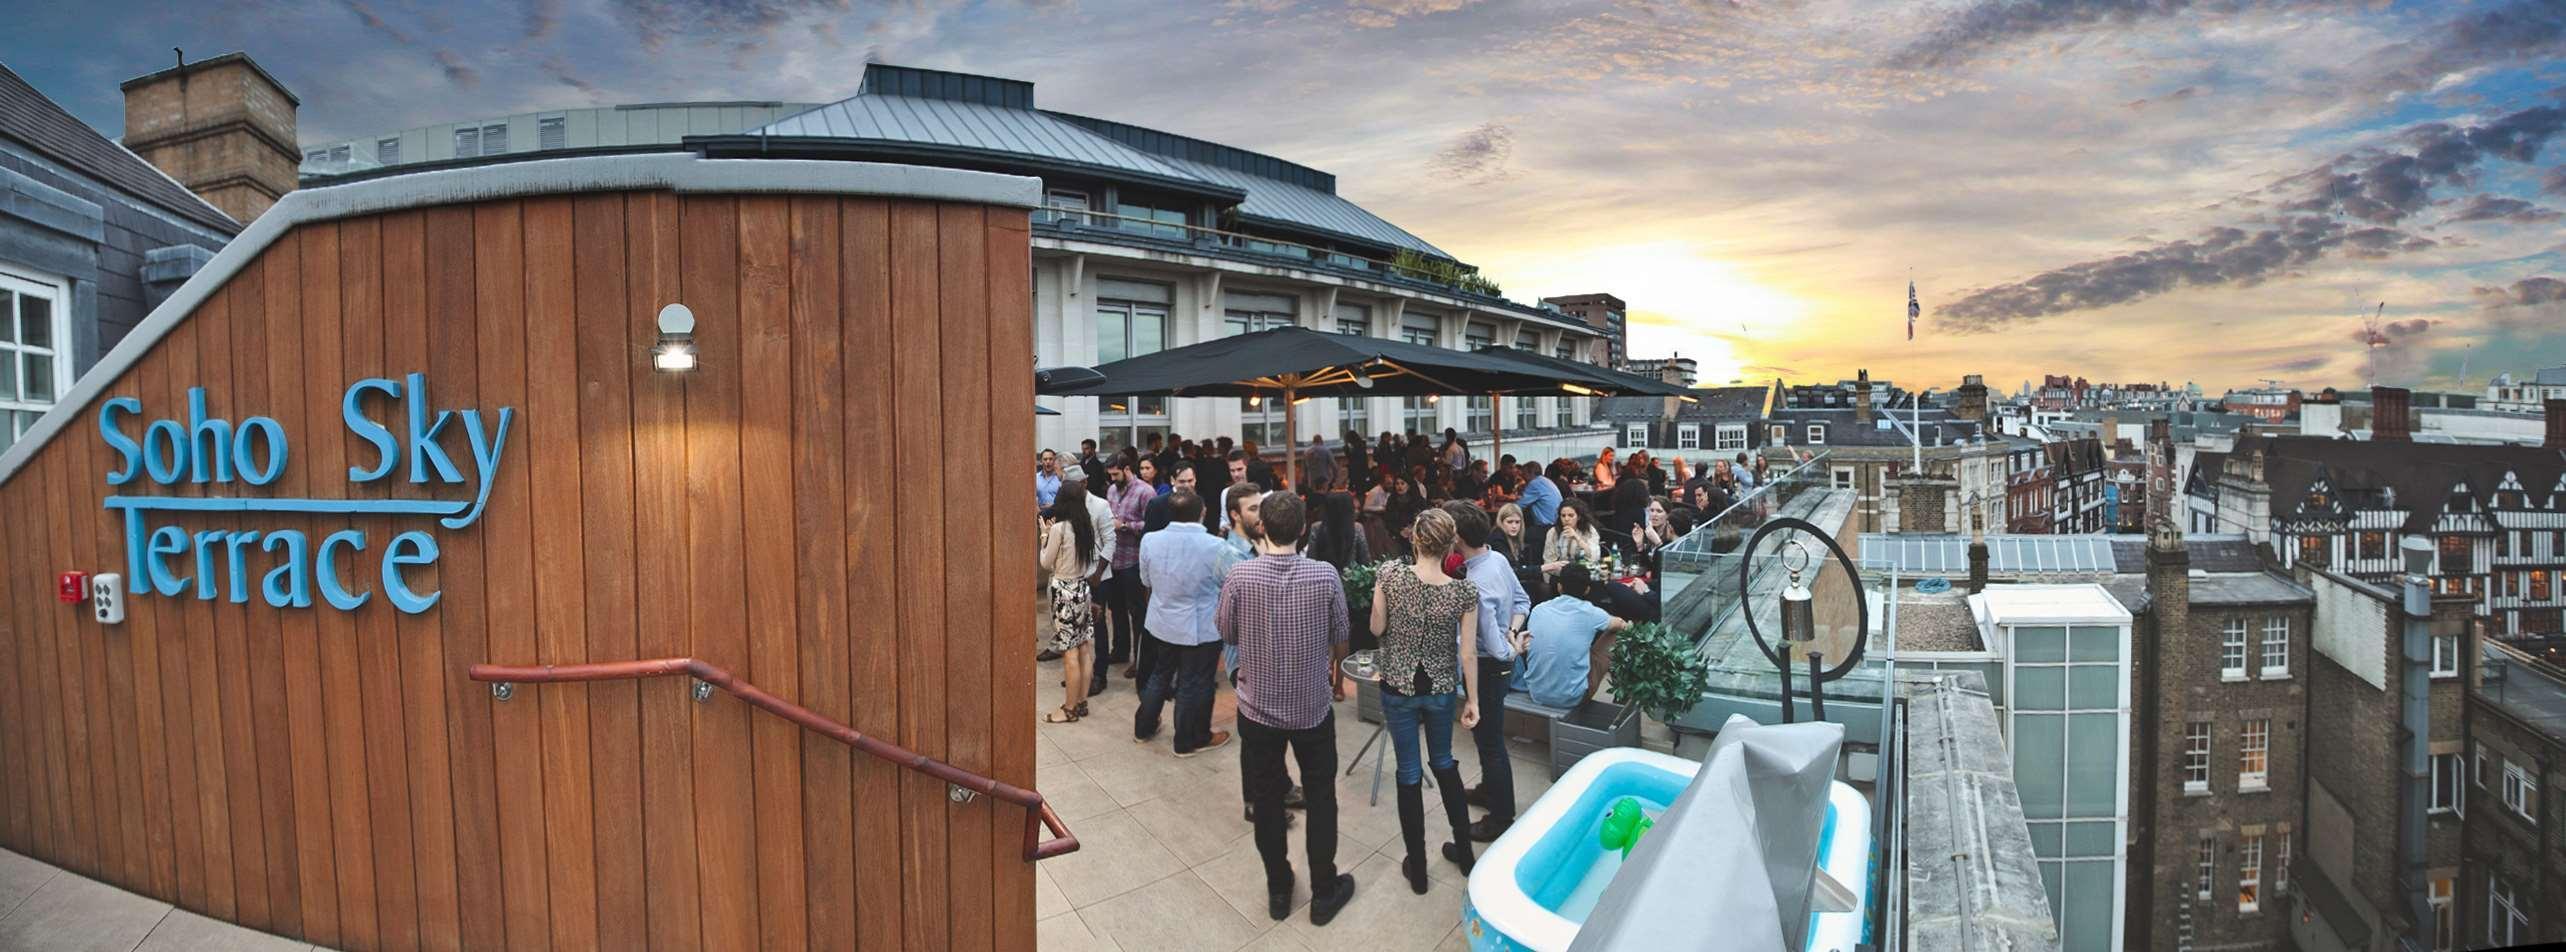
(1817, 433)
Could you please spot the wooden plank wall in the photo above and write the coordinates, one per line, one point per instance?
(813, 509)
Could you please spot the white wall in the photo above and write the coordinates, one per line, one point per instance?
(2351, 629)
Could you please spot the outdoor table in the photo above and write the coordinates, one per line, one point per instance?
(1359, 667)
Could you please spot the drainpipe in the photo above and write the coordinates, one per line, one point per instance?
(2416, 720)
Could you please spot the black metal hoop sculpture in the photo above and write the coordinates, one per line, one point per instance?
(1781, 658)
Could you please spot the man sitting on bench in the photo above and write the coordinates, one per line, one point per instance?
(1567, 645)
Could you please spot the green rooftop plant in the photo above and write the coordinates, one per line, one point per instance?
(1658, 671)
(1451, 274)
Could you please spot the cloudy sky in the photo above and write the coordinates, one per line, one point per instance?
(2205, 190)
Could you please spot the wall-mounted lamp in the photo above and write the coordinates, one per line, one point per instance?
(1433, 399)
(675, 352)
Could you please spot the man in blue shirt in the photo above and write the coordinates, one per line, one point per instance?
(1046, 478)
(1540, 501)
(1564, 652)
(1502, 609)
(1184, 566)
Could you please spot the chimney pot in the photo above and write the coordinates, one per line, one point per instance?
(2390, 414)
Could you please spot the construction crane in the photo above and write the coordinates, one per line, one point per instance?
(2372, 338)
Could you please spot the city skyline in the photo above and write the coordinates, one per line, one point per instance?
(2215, 193)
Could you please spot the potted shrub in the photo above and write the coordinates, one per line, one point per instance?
(1359, 579)
(1656, 671)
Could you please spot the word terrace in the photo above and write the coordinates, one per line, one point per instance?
(207, 450)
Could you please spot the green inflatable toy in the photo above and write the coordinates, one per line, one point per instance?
(1624, 823)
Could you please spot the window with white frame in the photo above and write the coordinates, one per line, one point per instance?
(2520, 791)
(2445, 656)
(1843, 477)
(387, 150)
(2276, 647)
(1688, 436)
(2249, 874)
(1780, 434)
(2445, 924)
(2196, 757)
(1817, 434)
(2232, 650)
(2254, 755)
(1635, 436)
(552, 132)
(1730, 436)
(2448, 795)
(2506, 924)
(35, 352)
(2208, 861)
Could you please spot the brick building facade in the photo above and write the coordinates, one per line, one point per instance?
(2513, 890)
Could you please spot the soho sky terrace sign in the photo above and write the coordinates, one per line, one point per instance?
(207, 450)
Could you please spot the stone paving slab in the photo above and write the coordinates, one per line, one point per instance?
(47, 909)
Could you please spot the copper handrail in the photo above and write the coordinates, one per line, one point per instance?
(1038, 815)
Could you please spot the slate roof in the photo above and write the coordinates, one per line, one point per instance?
(2551, 377)
(1845, 429)
(1713, 405)
(2422, 474)
(2248, 588)
(2210, 552)
(30, 119)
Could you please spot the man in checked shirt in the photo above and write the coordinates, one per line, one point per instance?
(1285, 612)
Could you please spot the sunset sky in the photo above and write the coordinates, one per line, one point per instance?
(2204, 190)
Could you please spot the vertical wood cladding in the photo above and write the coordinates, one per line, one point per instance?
(334, 776)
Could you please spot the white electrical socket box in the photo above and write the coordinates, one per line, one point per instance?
(107, 597)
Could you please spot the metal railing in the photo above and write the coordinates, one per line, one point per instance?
(1184, 233)
(1038, 814)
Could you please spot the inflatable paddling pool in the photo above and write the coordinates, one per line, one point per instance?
(1533, 887)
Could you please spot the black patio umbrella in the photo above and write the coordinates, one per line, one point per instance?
(1297, 363)
(1578, 378)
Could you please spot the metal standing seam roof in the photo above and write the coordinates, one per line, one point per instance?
(2007, 555)
(1041, 135)
(1304, 207)
(969, 125)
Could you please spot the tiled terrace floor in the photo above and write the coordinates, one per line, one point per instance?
(44, 909)
(1166, 862)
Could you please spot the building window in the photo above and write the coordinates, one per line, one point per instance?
(1151, 220)
(1730, 437)
(1843, 477)
(35, 360)
(494, 139)
(2540, 581)
(2520, 791)
(1635, 436)
(2374, 545)
(1260, 417)
(2312, 548)
(552, 133)
(1064, 205)
(2479, 774)
(387, 150)
(2232, 651)
(2196, 757)
(2506, 924)
(2281, 866)
(1817, 434)
(467, 142)
(2445, 656)
(2208, 861)
(1688, 436)
(1354, 413)
(2249, 874)
(2445, 925)
(2447, 794)
(1124, 329)
(2455, 557)
(2276, 646)
(2254, 755)
(1780, 435)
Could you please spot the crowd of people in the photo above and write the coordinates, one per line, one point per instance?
(1180, 559)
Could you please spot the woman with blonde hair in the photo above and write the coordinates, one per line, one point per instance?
(1429, 668)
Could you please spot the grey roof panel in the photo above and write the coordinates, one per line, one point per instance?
(1291, 204)
(970, 125)
(31, 118)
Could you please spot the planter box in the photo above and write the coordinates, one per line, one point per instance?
(1592, 726)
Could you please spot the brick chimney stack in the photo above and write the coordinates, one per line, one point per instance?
(1973, 398)
(1862, 397)
(2556, 410)
(2390, 415)
(222, 127)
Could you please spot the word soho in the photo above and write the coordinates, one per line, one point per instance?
(211, 451)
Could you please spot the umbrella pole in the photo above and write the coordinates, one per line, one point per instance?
(1496, 428)
(1291, 442)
